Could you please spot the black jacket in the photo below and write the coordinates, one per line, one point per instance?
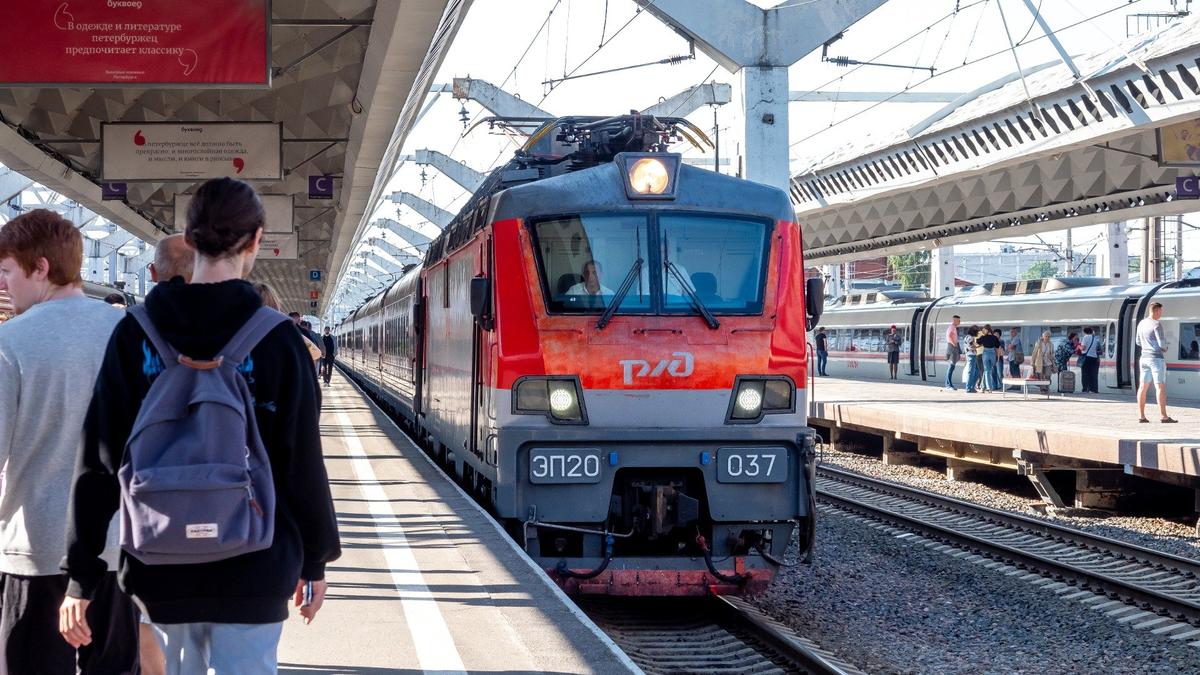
(198, 320)
(330, 346)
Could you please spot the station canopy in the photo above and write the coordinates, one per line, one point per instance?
(341, 79)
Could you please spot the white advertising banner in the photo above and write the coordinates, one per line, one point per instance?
(170, 151)
(279, 210)
(279, 247)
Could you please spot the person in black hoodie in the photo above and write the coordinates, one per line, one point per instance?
(225, 615)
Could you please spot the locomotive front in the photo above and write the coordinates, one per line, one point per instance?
(645, 362)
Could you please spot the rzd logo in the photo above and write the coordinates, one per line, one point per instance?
(680, 366)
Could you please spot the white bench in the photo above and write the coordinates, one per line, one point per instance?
(1023, 382)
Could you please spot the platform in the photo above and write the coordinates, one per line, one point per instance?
(988, 427)
(426, 581)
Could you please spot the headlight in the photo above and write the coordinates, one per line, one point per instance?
(649, 176)
(754, 397)
(555, 397)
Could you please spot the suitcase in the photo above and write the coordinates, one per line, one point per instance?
(1066, 382)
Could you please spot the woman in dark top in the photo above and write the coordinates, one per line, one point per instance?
(991, 346)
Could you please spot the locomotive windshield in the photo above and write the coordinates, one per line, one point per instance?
(583, 260)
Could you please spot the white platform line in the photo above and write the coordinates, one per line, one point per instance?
(436, 651)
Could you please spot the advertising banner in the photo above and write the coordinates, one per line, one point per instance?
(279, 247)
(171, 151)
(1179, 144)
(278, 208)
(135, 43)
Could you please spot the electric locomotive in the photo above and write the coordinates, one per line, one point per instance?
(607, 346)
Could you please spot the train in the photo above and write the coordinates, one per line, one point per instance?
(607, 347)
(855, 326)
(91, 289)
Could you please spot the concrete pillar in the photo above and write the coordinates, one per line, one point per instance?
(112, 268)
(765, 95)
(1100, 489)
(895, 457)
(941, 272)
(959, 470)
(1114, 262)
(833, 280)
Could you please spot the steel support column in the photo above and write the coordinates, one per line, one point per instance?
(1114, 264)
(942, 272)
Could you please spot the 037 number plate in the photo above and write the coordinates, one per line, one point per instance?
(576, 465)
(751, 465)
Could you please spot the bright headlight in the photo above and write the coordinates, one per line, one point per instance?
(562, 397)
(559, 398)
(649, 176)
(755, 396)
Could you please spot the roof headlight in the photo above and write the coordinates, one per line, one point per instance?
(648, 176)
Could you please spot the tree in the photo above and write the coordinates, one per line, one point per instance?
(912, 269)
(1040, 270)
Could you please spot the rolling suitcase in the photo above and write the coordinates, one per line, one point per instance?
(1066, 382)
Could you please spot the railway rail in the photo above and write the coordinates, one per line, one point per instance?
(1157, 581)
(712, 635)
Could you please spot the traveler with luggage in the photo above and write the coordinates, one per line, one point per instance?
(216, 536)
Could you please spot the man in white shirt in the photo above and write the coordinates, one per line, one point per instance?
(591, 281)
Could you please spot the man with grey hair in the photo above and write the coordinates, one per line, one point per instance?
(172, 258)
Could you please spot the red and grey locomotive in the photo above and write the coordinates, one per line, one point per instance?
(607, 346)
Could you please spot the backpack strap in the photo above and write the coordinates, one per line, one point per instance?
(263, 321)
(166, 352)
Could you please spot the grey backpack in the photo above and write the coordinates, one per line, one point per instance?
(196, 481)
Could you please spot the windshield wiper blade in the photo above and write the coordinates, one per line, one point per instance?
(634, 270)
(691, 293)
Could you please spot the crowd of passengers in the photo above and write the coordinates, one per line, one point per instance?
(175, 590)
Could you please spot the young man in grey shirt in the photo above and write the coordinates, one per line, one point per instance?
(50, 354)
(1152, 363)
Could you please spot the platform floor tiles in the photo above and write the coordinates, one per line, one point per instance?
(426, 582)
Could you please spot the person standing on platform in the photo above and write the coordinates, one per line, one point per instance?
(1089, 364)
(952, 351)
(989, 344)
(49, 356)
(172, 258)
(892, 345)
(974, 360)
(822, 351)
(225, 615)
(330, 344)
(1043, 358)
(1016, 353)
(1152, 363)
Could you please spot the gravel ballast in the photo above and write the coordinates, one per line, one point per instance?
(888, 605)
(1160, 534)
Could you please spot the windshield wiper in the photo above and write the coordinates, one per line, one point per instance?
(611, 308)
(691, 293)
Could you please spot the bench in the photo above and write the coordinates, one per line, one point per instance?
(1024, 384)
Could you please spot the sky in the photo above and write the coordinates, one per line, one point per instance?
(520, 44)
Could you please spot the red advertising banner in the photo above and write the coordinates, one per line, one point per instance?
(135, 42)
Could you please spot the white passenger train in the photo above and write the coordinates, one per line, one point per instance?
(856, 325)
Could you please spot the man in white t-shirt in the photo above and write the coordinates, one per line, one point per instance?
(591, 281)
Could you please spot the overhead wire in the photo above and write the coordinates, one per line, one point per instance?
(1124, 4)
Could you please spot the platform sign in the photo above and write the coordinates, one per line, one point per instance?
(312, 304)
(320, 187)
(1187, 187)
(313, 295)
(279, 247)
(314, 275)
(189, 151)
(1179, 144)
(279, 210)
(113, 191)
(138, 43)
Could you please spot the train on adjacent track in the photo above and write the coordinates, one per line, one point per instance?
(855, 326)
(608, 348)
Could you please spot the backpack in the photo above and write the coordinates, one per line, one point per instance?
(196, 482)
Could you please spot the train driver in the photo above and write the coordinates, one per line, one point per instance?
(591, 281)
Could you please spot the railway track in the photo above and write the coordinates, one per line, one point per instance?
(710, 635)
(1157, 581)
